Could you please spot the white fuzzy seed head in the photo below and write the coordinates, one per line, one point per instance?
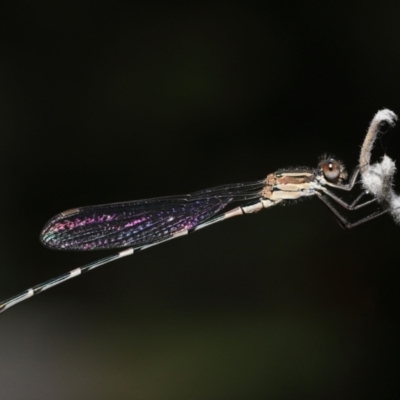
(395, 208)
(377, 178)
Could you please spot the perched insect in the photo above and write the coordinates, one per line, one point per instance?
(138, 225)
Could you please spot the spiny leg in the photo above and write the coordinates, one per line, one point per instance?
(348, 187)
(343, 221)
(352, 206)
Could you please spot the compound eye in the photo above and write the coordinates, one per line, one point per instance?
(331, 170)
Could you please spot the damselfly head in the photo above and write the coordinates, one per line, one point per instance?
(332, 170)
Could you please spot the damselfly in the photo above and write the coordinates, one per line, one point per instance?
(138, 225)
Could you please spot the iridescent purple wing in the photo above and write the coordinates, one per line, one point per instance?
(139, 223)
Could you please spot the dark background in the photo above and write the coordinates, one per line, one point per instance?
(105, 101)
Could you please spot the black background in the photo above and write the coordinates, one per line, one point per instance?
(109, 101)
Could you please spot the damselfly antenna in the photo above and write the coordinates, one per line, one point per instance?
(138, 225)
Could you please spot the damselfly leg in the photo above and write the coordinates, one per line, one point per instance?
(353, 206)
